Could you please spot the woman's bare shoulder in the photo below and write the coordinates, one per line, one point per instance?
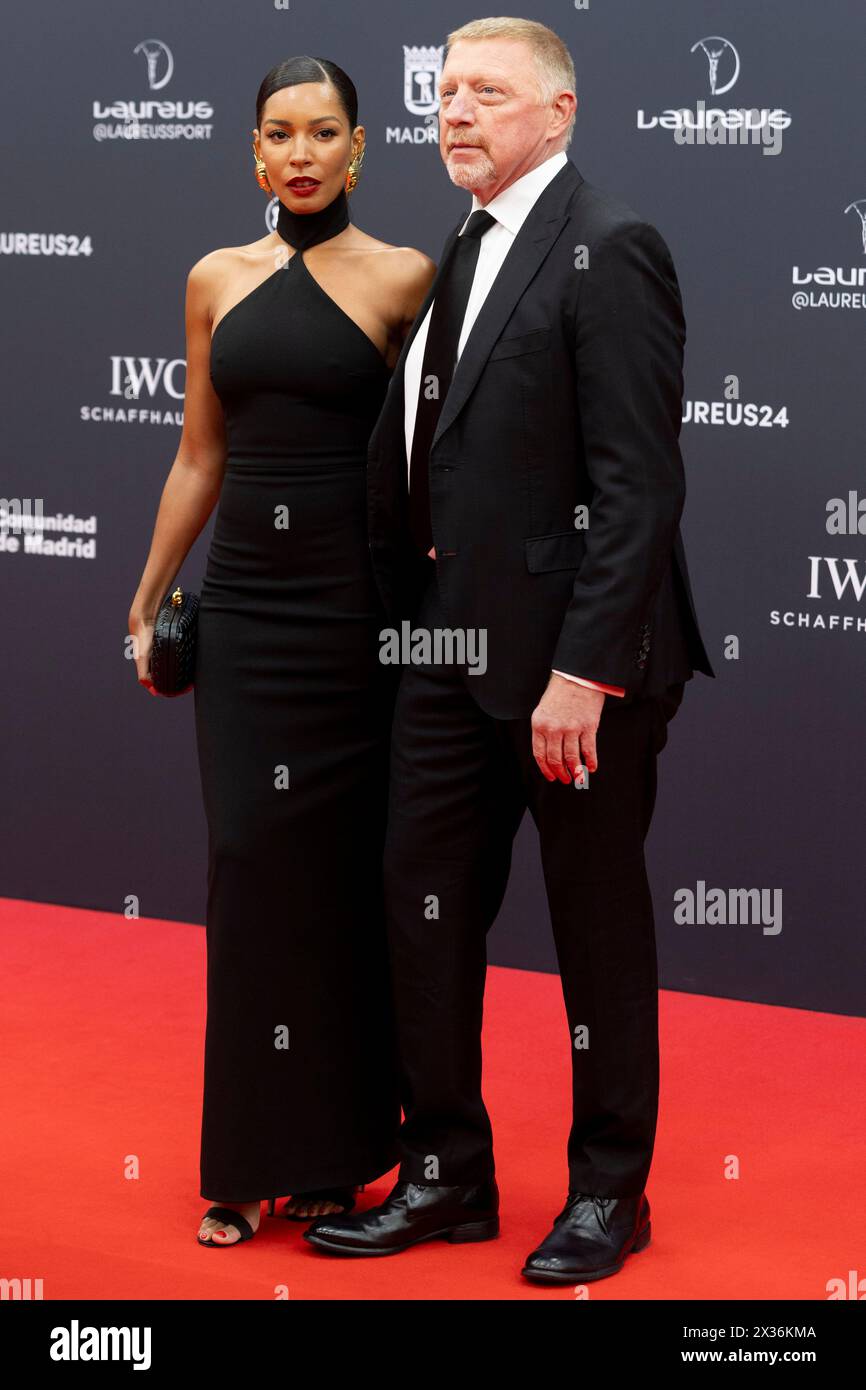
(403, 264)
(212, 270)
(403, 275)
(400, 256)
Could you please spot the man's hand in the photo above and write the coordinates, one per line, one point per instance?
(564, 724)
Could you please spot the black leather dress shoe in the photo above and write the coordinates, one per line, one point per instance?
(411, 1212)
(590, 1239)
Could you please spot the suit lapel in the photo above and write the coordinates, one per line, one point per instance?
(531, 245)
(431, 295)
(393, 414)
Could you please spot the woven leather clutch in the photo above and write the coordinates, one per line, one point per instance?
(172, 656)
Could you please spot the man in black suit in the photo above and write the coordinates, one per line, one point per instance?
(540, 516)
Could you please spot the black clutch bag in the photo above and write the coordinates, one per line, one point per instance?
(172, 655)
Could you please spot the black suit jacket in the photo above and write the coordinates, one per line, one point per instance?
(568, 392)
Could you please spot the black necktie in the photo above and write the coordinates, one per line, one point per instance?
(440, 353)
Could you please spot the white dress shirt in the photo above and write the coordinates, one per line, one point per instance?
(510, 208)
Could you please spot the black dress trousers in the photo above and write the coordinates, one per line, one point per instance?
(460, 783)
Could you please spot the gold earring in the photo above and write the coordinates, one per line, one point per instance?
(354, 170)
(261, 173)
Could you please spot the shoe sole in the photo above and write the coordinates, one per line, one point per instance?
(541, 1276)
(456, 1235)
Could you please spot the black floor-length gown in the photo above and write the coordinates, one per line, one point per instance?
(293, 711)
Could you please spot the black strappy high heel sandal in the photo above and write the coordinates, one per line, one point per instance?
(345, 1196)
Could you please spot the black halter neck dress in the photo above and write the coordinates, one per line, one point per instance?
(292, 711)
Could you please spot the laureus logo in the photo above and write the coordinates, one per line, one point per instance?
(156, 117)
(834, 286)
(717, 125)
(160, 63)
(720, 54)
(860, 208)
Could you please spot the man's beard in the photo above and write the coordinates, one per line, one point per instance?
(481, 171)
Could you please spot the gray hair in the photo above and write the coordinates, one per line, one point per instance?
(553, 64)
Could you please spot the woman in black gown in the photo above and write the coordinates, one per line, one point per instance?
(292, 705)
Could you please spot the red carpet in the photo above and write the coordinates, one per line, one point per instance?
(104, 1028)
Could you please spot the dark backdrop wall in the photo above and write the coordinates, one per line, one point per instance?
(761, 785)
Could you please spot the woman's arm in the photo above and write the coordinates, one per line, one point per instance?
(194, 481)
